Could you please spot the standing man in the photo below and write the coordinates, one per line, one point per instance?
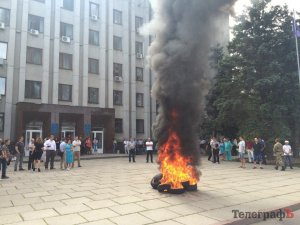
(278, 152)
(257, 153)
(149, 149)
(242, 150)
(19, 154)
(131, 147)
(287, 152)
(215, 150)
(126, 146)
(50, 147)
(76, 145)
(62, 154)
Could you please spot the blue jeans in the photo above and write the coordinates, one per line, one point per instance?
(288, 161)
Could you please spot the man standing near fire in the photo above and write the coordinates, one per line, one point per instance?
(149, 149)
(131, 147)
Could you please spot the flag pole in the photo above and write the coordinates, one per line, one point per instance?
(296, 40)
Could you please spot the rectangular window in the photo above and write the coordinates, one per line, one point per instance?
(138, 47)
(139, 72)
(3, 50)
(118, 98)
(34, 56)
(5, 16)
(139, 99)
(117, 17)
(93, 66)
(117, 43)
(94, 9)
(65, 92)
(2, 86)
(118, 125)
(36, 23)
(93, 95)
(138, 23)
(1, 122)
(33, 89)
(68, 4)
(93, 37)
(118, 71)
(65, 61)
(140, 126)
(43, 1)
(66, 30)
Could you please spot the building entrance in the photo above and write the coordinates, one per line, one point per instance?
(32, 132)
(98, 144)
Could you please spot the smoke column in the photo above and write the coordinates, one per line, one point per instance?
(184, 33)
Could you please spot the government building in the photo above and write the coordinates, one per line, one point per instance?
(76, 67)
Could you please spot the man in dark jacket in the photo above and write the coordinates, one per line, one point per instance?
(257, 153)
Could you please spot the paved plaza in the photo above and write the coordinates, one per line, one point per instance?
(113, 191)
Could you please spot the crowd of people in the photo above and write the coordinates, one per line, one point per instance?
(255, 150)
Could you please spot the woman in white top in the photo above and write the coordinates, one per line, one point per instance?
(287, 153)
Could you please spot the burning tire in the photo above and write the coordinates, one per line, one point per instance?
(156, 180)
(164, 187)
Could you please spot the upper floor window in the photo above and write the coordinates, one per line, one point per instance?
(140, 126)
(36, 23)
(3, 50)
(65, 61)
(117, 43)
(118, 125)
(117, 17)
(66, 30)
(2, 86)
(138, 47)
(5, 16)
(94, 9)
(34, 55)
(93, 66)
(33, 89)
(118, 98)
(139, 72)
(68, 4)
(65, 92)
(138, 23)
(93, 95)
(139, 99)
(93, 37)
(118, 71)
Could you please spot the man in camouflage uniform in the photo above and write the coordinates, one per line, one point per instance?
(278, 152)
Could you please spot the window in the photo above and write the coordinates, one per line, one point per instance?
(94, 9)
(2, 86)
(3, 50)
(5, 16)
(117, 43)
(65, 61)
(93, 66)
(33, 89)
(93, 95)
(34, 56)
(118, 70)
(119, 125)
(68, 4)
(66, 30)
(93, 37)
(139, 126)
(117, 17)
(139, 72)
(138, 47)
(118, 99)
(65, 92)
(138, 23)
(36, 23)
(43, 1)
(139, 99)
(1, 122)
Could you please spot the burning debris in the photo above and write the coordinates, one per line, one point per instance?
(179, 55)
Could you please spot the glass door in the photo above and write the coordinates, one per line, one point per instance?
(29, 135)
(98, 144)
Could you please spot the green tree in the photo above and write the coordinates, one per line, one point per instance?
(256, 90)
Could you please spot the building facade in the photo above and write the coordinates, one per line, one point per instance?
(75, 67)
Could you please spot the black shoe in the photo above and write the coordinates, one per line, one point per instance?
(33, 169)
(276, 167)
(133, 161)
(52, 168)
(79, 166)
(39, 170)
(15, 170)
(291, 167)
(21, 169)
(4, 177)
(283, 168)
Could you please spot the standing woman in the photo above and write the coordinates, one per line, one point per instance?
(4, 157)
(31, 148)
(38, 152)
(69, 154)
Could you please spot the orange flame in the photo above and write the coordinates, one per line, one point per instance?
(174, 166)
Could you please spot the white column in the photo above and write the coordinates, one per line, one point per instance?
(110, 81)
(85, 79)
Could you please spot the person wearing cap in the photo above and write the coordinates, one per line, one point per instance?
(287, 153)
(278, 153)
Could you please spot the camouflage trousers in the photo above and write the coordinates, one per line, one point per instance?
(279, 161)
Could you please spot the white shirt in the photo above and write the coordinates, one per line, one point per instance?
(76, 145)
(62, 146)
(242, 146)
(50, 145)
(287, 150)
(149, 145)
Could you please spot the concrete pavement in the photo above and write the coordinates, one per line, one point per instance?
(113, 191)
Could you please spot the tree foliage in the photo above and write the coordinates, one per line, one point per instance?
(256, 90)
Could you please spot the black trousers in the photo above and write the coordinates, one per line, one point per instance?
(216, 155)
(132, 154)
(209, 154)
(150, 152)
(3, 167)
(30, 161)
(50, 155)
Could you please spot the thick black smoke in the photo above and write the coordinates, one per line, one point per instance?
(179, 55)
